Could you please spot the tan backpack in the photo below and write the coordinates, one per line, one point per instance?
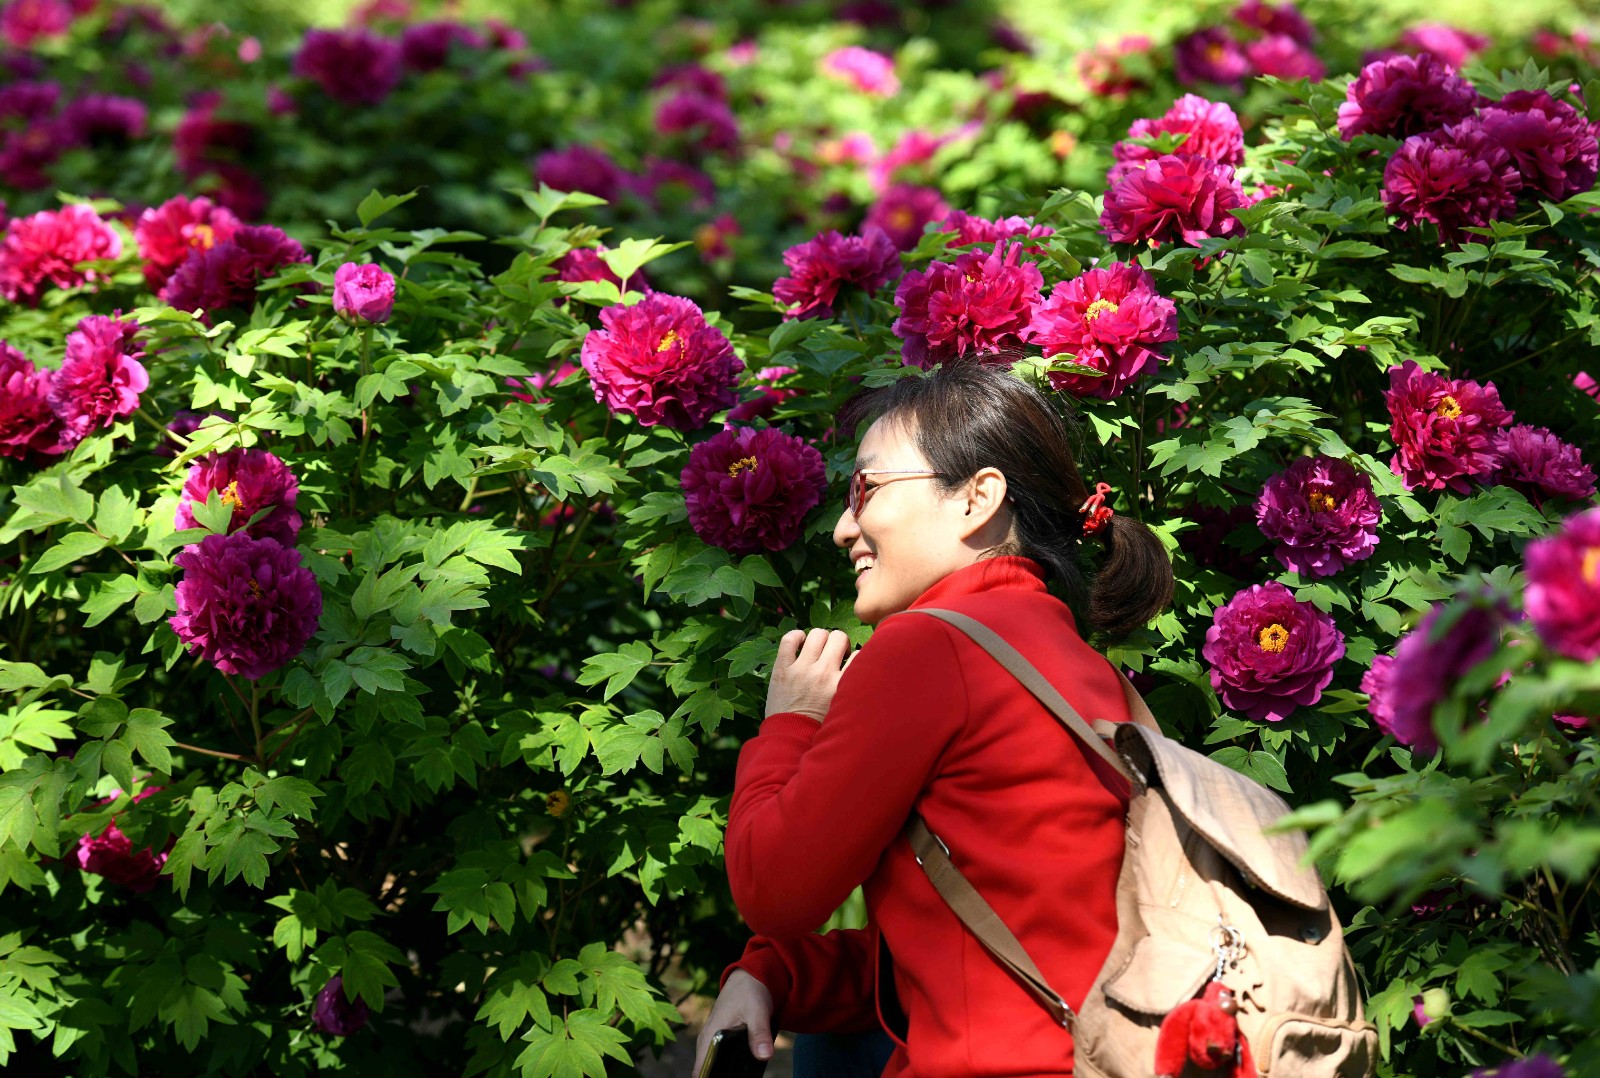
(1205, 893)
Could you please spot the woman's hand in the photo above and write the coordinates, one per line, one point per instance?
(807, 671)
(745, 1002)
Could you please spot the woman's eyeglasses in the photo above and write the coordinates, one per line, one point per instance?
(860, 490)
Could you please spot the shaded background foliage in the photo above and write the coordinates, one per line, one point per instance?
(489, 796)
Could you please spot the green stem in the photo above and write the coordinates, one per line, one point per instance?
(210, 752)
(255, 718)
(162, 427)
(1531, 355)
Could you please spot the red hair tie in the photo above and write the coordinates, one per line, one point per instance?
(1097, 514)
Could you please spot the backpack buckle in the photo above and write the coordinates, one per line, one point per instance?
(942, 846)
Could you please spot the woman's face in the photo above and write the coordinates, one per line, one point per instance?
(908, 536)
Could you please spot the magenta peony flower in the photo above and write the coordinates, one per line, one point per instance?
(1376, 683)
(425, 46)
(1212, 128)
(202, 142)
(580, 168)
(819, 267)
(696, 77)
(1428, 661)
(1457, 178)
(1171, 199)
(705, 123)
(682, 181)
(1103, 71)
(714, 239)
(768, 396)
(30, 430)
(1275, 19)
(1110, 318)
(1455, 47)
(354, 67)
(1553, 146)
(1442, 428)
(111, 854)
(750, 490)
(1563, 596)
(1534, 1066)
(27, 154)
(1585, 383)
(363, 293)
(1270, 653)
(168, 233)
(970, 229)
(1536, 462)
(227, 274)
(904, 212)
(249, 480)
(28, 100)
(46, 249)
(100, 379)
(1210, 55)
(97, 118)
(247, 605)
(1403, 96)
(660, 362)
(1281, 56)
(334, 1014)
(23, 23)
(585, 264)
(1322, 513)
(868, 71)
(982, 302)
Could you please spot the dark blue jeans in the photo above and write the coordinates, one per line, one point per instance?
(842, 1055)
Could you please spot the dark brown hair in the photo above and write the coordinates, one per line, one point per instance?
(966, 416)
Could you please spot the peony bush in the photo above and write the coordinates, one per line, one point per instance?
(418, 435)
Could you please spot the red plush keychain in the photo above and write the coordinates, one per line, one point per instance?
(1205, 1031)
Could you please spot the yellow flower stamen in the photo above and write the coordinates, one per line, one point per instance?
(740, 465)
(668, 341)
(1448, 407)
(1273, 638)
(230, 495)
(1321, 501)
(1591, 566)
(901, 218)
(255, 587)
(1098, 308)
(203, 236)
(557, 802)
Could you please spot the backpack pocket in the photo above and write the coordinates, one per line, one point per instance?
(1304, 1046)
(1160, 973)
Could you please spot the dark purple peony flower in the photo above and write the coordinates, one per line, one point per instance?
(1211, 126)
(168, 233)
(1376, 683)
(98, 118)
(705, 124)
(28, 100)
(1270, 653)
(769, 394)
(246, 605)
(1450, 44)
(1176, 198)
(580, 168)
(354, 67)
(1275, 19)
(227, 274)
(1534, 1066)
(749, 490)
(100, 379)
(819, 267)
(47, 248)
(363, 294)
(30, 430)
(27, 154)
(1210, 55)
(1322, 513)
(1536, 462)
(1458, 177)
(1563, 596)
(661, 362)
(904, 212)
(970, 229)
(1428, 661)
(425, 46)
(696, 77)
(1443, 428)
(1403, 96)
(1110, 318)
(981, 303)
(334, 1014)
(1282, 57)
(1553, 146)
(249, 480)
(111, 854)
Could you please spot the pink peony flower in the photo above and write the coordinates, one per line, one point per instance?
(1103, 71)
(1428, 661)
(47, 248)
(1455, 47)
(30, 430)
(1403, 96)
(660, 362)
(227, 274)
(353, 67)
(168, 233)
(904, 211)
(1585, 383)
(363, 293)
(1270, 653)
(706, 124)
(335, 1014)
(1282, 57)
(1536, 462)
(1210, 55)
(915, 147)
(1212, 128)
(111, 854)
(246, 605)
(868, 71)
(1563, 595)
(970, 229)
(100, 379)
(425, 46)
(1110, 318)
(1457, 178)
(1275, 19)
(1322, 513)
(749, 490)
(768, 396)
(1537, 1065)
(24, 23)
(580, 168)
(1552, 145)
(1443, 428)
(981, 303)
(819, 267)
(1171, 199)
(249, 480)
(585, 264)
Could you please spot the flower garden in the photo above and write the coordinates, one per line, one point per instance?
(416, 431)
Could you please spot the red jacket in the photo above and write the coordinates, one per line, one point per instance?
(923, 719)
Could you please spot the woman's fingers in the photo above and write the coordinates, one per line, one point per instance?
(816, 640)
(834, 650)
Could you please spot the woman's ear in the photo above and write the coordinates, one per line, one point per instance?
(986, 515)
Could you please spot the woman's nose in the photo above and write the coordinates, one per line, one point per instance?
(846, 530)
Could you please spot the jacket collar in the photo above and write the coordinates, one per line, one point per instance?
(1006, 573)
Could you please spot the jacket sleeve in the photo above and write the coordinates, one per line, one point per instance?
(819, 983)
(816, 804)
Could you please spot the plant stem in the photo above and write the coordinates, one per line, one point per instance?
(255, 717)
(211, 752)
(162, 427)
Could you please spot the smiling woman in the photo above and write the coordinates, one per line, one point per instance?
(966, 497)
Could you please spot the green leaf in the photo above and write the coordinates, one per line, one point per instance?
(375, 205)
(240, 851)
(616, 668)
(547, 201)
(114, 518)
(73, 547)
(626, 258)
(513, 996)
(575, 1047)
(293, 795)
(146, 734)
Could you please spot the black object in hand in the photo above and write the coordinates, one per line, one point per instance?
(729, 1056)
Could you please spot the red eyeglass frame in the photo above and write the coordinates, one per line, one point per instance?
(858, 491)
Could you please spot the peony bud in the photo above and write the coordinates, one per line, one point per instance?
(363, 293)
